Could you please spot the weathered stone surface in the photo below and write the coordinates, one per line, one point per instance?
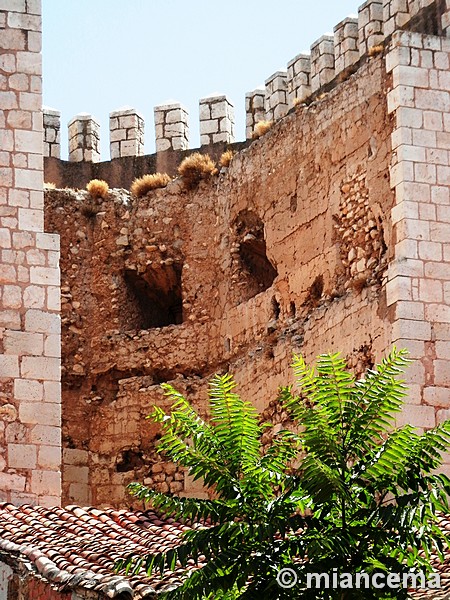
(250, 266)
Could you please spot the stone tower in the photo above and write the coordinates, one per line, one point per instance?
(30, 394)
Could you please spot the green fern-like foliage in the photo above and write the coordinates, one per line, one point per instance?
(251, 492)
(350, 492)
(372, 488)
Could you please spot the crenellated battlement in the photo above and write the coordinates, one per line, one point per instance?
(346, 48)
(172, 128)
(84, 138)
(331, 60)
(126, 129)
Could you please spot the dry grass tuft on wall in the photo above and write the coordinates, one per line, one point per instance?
(226, 158)
(48, 185)
(374, 50)
(98, 188)
(141, 186)
(196, 167)
(261, 128)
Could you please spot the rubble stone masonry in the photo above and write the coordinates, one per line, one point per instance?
(30, 409)
(285, 251)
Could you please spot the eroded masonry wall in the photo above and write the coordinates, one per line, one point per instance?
(285, 251)
(30, 409)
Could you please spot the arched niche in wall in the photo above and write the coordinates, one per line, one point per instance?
(156, 296)
(256, 272)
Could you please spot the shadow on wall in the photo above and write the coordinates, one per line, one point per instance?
(256, 269)
(157, 296)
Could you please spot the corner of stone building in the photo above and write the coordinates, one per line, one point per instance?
(30, 332)
(418, 288)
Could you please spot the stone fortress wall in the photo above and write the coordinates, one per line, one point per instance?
(328, 233)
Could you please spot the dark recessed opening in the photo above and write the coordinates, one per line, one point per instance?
(293, 204)
(256, 266)
(316, 289)
(275, 308)
(315, 292)
(157, 295)
(292, 308)
(129, 460)
(254, 257)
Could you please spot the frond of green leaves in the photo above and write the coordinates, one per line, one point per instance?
(185, 509)
(225, 453)
(361, 474)
(363, 495)
(190, 441)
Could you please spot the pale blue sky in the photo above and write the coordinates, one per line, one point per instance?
(100, 55)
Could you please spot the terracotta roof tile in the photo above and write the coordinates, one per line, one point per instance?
(77, 547)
